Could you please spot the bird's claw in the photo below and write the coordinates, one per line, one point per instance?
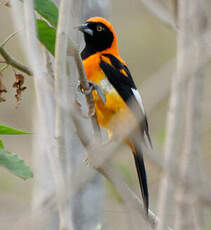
(93, 86)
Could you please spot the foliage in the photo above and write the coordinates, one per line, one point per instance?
(47, 35)
(48, 10)
(14, 164)
(5, 130)
(1, 144)
(12, 161)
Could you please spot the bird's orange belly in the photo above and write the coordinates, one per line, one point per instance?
(114, 111)
(106, 112)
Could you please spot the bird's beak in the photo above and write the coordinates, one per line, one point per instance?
(85, 29)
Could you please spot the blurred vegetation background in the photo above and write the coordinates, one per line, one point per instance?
(146, 45)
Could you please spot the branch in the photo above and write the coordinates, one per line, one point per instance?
(174, 122)
(130, 198)
(124, 131)
(175, 113)
(100, 162)
(202, 193)
(160, 12)
(45, 100)
(74, 51)
(61, 96)
(8, 38)
(11, 61)
(191, 18)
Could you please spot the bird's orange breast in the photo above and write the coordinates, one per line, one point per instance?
(114, 103)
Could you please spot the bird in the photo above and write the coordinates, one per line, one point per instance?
(115, 90)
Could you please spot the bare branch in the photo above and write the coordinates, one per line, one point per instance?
(100, 162)
(74, 51)
(130, 199)
(175, 121)
(160, 12)
(61, 113)
(45, 98)
(192, 19)
(11, 61)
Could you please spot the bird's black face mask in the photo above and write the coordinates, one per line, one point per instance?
(97, 36)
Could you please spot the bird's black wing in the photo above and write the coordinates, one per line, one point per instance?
(119, 76)
(121, 79)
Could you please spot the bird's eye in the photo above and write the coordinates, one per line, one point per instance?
(99, 28)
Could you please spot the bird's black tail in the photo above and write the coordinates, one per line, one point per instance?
(140, 167)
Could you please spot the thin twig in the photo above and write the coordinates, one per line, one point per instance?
(8, 38)
(11, 61)
(3, 68)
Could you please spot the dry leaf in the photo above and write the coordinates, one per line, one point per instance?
(18, 84)
(7, 4)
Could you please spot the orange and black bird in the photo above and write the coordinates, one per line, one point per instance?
(115, 88)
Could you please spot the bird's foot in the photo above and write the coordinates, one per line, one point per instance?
(93, 86)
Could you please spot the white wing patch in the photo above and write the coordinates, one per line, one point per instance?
(138, 98)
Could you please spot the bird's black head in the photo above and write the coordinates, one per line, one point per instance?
(98, 35)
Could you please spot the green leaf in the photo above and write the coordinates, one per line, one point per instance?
(4, 130)
(1, 144)
(48, 10)
(46, 35)
(14, 164)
